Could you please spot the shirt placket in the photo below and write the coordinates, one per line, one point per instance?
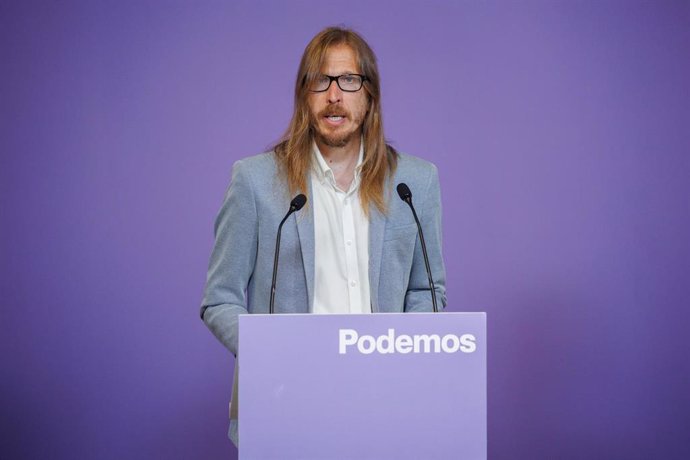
(350, 245)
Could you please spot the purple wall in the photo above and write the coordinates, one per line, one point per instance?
(562, 133)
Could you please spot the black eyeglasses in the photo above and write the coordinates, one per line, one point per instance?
(349, 82)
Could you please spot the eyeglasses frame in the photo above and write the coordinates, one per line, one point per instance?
(332, 78)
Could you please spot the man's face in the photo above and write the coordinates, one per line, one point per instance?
(337, 115)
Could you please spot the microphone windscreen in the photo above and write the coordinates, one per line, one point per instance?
(298, 201)
(404, 191)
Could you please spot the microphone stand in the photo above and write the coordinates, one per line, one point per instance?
(406, 195)
(295, 205)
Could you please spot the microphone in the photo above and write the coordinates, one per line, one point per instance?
(406, 195)
(295, 205)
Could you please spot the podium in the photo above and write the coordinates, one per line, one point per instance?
(356, 387)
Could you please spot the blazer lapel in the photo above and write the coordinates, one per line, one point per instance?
(305, 231)
(377, 224)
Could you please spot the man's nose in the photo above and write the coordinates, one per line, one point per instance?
(334, 93)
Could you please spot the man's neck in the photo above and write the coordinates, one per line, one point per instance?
(342, 161)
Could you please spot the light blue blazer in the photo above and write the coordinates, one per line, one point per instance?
(241, 265)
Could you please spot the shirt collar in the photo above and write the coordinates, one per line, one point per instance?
(324, 172)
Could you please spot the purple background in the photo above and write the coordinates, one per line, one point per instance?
(562, 134)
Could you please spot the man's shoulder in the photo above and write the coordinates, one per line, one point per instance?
(257, 163)
(406, 161)
(257, 167)
(412, 168)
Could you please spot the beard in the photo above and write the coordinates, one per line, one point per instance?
(335, 138)
(332, 139)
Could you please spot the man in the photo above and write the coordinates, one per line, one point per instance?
(354, 247)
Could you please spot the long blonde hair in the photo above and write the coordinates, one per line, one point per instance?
(294, 150)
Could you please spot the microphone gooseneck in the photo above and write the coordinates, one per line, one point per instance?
(296, 204)
(406, 195)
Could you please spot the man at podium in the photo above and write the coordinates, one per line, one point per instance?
(354, 246)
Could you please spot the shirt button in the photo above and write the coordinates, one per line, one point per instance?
(353, 283)
(349, 242)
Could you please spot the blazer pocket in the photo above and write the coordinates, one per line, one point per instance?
(395, 233)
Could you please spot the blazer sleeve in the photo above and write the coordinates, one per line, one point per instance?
(418, 296)
(232, 260)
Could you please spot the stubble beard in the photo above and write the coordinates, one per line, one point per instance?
(333, 139)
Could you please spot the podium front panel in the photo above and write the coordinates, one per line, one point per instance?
(381, 386)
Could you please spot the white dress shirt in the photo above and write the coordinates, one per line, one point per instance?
(341, 242)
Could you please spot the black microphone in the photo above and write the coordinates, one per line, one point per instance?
(295, 205)
(406, 195)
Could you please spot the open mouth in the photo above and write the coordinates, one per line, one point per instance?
(335, 119)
